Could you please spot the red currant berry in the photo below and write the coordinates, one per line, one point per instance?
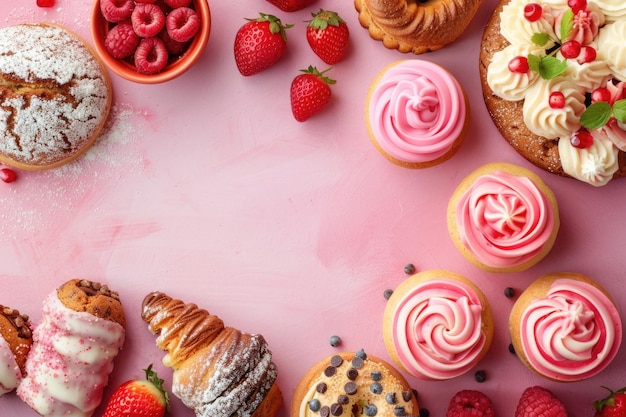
(587, 54)
(556, 100)
(45, 3)
(577, 5)
(581, 139)
(533, 12)
(519, 64)
(7, 175)
(570, 49)
(600, 94)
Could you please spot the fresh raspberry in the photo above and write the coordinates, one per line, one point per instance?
(116, 10)
(178, 3)
(148, 20)
(151, 55)
(182, 24)
(121, 41)
(173, 47)
(470, 403)
(539, 402)
(146, 1)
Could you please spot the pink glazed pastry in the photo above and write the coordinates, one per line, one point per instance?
(80, 333)
(416, 113)
(437, 325)
(565, 327)
(503, 218)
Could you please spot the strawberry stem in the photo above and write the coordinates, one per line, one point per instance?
(276, 26)
(153, 378)
(314, 71)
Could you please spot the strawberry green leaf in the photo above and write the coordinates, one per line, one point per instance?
(567, 24)
(540, 39)
(596, 115)
(619, 110)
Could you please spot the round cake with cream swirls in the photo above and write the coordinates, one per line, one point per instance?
(553, 81)
(503, 218)
(416, 113)
(565, 327)
(437, 325)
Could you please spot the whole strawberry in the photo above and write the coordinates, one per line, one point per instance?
(539, 402)
(328, 36)
(260, 43)
(470, 403)
(139, 398)
(310, 93)
(291, 5)
(614, 405)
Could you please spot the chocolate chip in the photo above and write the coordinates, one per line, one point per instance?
(391, 398)
(330, 371)
(325, 411)
(480, 376)
(371, 410)
(335, 341)
(350, 388)
(357, 362)
(407, 395)
(409, 269)
(376, 375)
(336, 361)
(387, 294)
(399, 411)
(314, 404)
(321, 387)
(352, 374)
(509, 292)
(376, 388)
(511, 348)
(424, 412)
(343, 399)
(336, 409)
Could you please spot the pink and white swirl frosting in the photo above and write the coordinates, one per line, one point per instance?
(572, 333)
(504, 220)
(437, 329)
(417, 111)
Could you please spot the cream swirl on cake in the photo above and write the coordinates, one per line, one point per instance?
(437, 325)
(565, 327)
(416, 113)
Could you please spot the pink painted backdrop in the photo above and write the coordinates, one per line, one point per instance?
(208, 189)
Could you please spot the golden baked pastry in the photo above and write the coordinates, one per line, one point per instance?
(353, 383)
(15, 341)
(414, 25)
(55, 94)
(218, 370)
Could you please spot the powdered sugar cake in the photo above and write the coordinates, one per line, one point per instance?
(55, 96)
(519, 101)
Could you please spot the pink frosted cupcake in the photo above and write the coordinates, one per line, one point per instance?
(565, 327)
(416, 113)
(437, 325)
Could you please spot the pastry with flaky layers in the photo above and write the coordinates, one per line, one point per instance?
(353, 384)
(15, 342)
(55, 93)
(503, 218)
(437, 325)
(218, 370)
(416, 113)
(416, 26)
(565, 327)
(553, 78)
(82, 329)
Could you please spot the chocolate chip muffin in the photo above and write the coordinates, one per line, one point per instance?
(92, 297)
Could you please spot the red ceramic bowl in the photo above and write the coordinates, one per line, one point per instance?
(177, 66)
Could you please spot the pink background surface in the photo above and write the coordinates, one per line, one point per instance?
(208, 189)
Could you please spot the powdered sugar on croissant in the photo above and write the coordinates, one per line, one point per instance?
(218, 370)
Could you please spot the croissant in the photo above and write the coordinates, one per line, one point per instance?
(218, 370)
(414, 25)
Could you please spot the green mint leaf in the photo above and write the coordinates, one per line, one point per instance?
(534, 62)
(551, 67)
(567, 24)
(619, 110)
(540, 39)
(596, 115)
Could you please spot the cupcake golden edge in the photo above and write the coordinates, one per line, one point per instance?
(456, 234)
(463, 288)
(547, 289)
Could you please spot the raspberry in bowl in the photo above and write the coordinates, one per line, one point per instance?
(150, 41)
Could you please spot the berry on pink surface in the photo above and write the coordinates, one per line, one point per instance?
(116, 10)
(7, 174)
(147, 19)
(519, 65)
(533, 12)
(539, 402)
(146, 1)
(556, 100)
(45, 3)
(182, 24)
(151, 55)
(470, 403)
(178, 3)
(121, 41)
